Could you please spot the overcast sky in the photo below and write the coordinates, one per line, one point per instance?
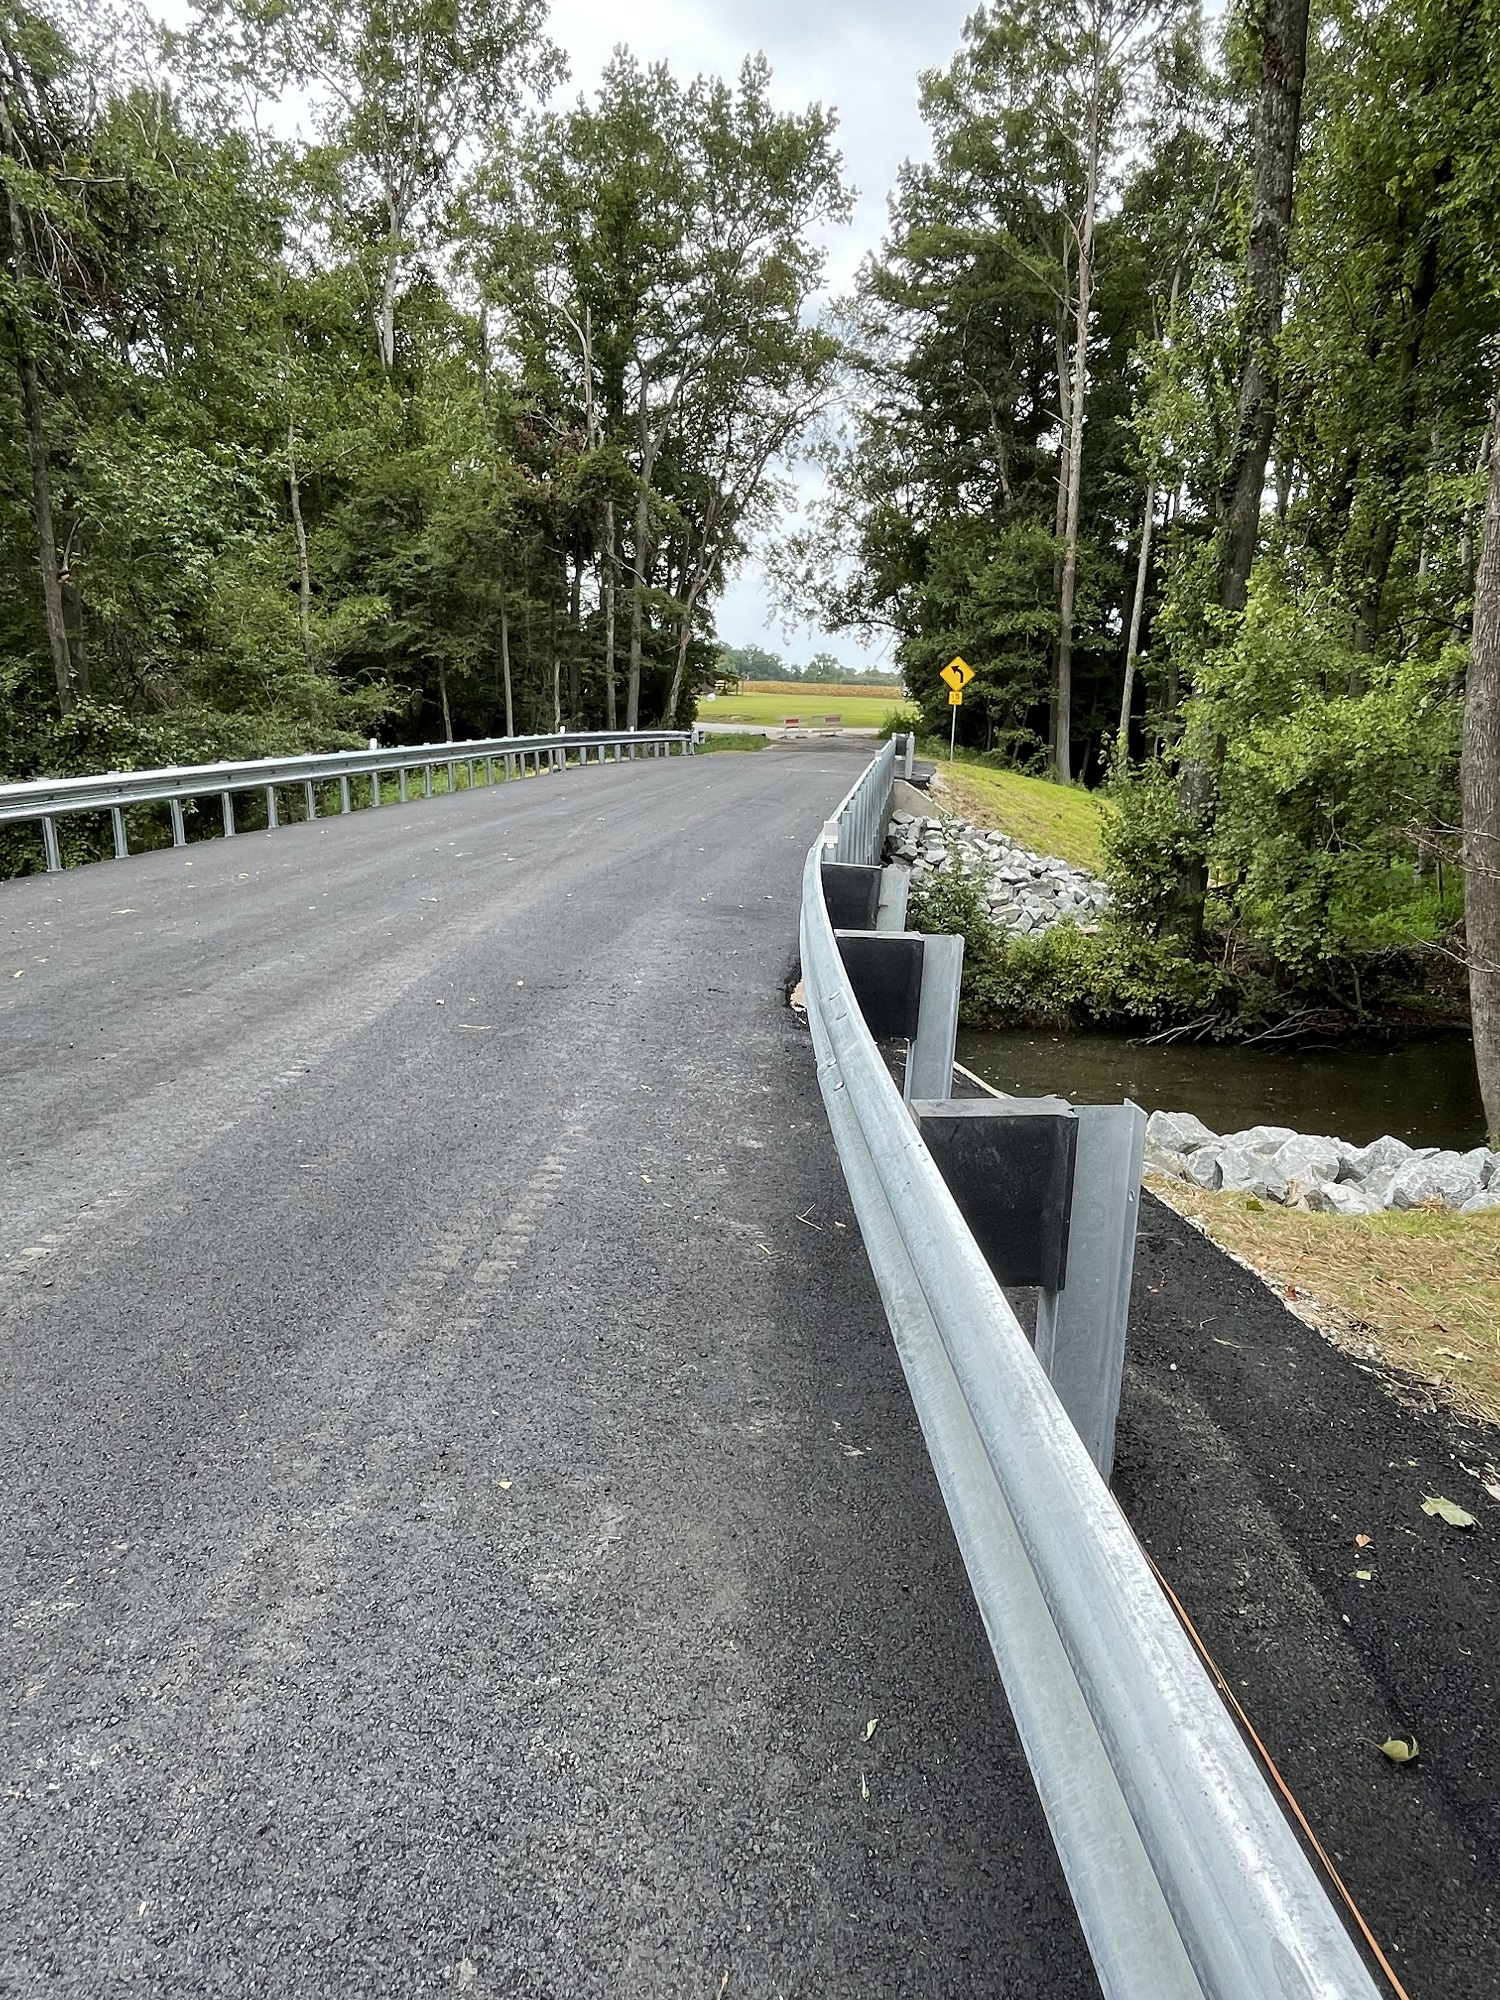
(859, 56)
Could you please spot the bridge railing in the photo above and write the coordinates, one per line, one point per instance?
(46, 800)
(1188, 1881)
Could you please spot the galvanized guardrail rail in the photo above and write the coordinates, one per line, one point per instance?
(49, 799)
(1188, 1881)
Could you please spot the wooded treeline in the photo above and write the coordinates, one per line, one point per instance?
(445, 420)
(1174, 390)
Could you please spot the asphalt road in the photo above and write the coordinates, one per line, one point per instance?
(460, 1510)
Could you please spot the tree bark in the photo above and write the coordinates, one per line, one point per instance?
(304, 574)
(63, 669)
(1064, 483)
(640, 556)
(609, 614)
(1481, 808)
(447, 712)
(1278, 125)
(510, 712)
(1132, 644)
(1078, 396)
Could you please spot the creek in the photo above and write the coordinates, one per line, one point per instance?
(1424, 1092)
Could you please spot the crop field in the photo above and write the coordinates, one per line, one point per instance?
(770, 703)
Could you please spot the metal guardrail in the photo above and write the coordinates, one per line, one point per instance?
(49, 799)
(1188, 1881)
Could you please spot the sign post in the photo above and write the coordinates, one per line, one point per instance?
(958, 673)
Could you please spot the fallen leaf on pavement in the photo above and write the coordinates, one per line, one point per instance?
(1400, 1749)
(1362, 1541)
(870, 1727)
(1447, 1510)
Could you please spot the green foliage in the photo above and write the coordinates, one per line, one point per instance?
(1109, 977)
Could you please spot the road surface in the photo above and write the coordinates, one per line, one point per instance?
(462, 1513)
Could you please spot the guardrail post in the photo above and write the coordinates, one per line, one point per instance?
(452, 774)
(226, 813)
(271, 815)
(401, 774)
(117, 823)
(929, 1058)
(906, 759)
(49, 845)
(890, 911)
(179, 831)
(311, 797)
(1080, 1330)
(427, 781)
(344, 803)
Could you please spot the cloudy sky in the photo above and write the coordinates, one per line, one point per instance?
(860, 56)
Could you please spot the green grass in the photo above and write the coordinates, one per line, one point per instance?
(732, 743)
(1063, 820)
(855, 708)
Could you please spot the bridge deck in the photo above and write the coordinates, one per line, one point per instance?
(461, 1505)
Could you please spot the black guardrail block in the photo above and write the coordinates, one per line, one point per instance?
(885, 970)
(1008, 1163)
(852, 893)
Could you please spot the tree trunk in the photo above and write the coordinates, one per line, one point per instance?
(575, 644)
(609, 614)
(1481, 806)
(447, 712)
(510, 710)
(1278, 124)
(1064, 483)
(304, 574)
(1132, 644)
(640, 555)
(63, 670)
(1077, 398)
(46, 533)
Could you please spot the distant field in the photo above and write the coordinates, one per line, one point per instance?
(769, 705)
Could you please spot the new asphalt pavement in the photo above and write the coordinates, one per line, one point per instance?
(463, 1525)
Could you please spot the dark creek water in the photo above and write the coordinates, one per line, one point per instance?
(1423, 1092)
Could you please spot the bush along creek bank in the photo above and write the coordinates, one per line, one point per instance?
(1045, 948)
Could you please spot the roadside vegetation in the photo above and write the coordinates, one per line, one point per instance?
(1064, 820)
(450, 419)
(1247, 585)
(1421, 1289)
(745, 740)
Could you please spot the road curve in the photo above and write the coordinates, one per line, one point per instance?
(462, 1511)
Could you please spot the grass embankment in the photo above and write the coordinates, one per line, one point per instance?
(856, 708)
(1422, 1287)
(1063, 820)
(746, 742)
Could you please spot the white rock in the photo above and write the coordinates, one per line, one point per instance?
(1246, 1171)
(1486, 1198)
(1328, 1198)
(1361, 1161)
(1162, 1160)
(1484, 1162)
(1179, 1130)
(1445, 1177)
(1262, 1139)
(1308, 1159)
(1202, 1167)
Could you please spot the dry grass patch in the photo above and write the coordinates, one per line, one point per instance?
(1422, 1287)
